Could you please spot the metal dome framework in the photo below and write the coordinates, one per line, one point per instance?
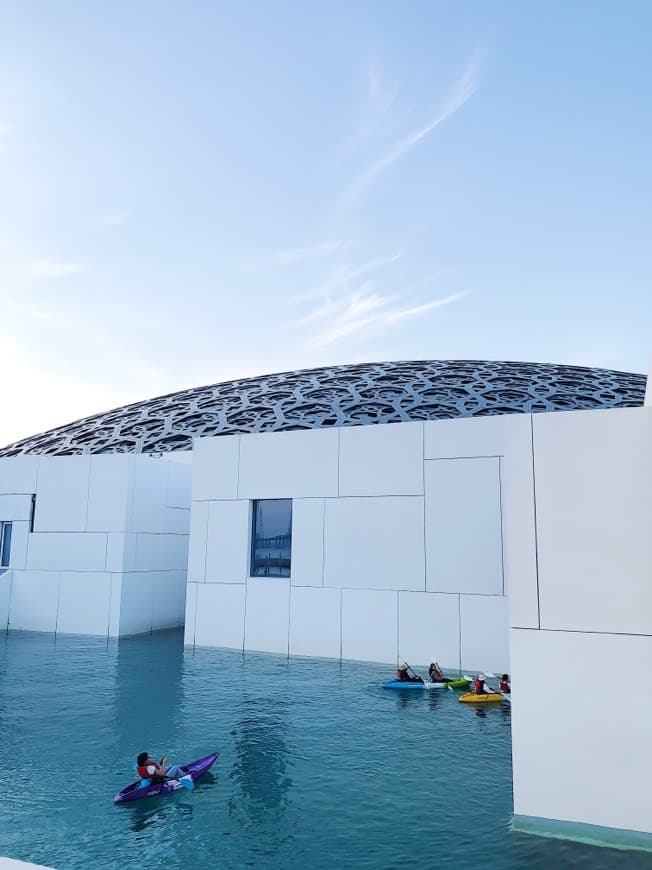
(349, 395)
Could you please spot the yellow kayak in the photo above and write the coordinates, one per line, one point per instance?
(472, 698)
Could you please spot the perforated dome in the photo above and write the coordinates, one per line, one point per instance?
(350, 395)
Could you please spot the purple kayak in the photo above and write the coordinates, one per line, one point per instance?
(194, 769)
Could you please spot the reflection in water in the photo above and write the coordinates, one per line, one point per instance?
(261, 767)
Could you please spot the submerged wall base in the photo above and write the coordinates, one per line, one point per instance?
(593, 835)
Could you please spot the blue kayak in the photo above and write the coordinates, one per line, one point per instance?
(412, 684)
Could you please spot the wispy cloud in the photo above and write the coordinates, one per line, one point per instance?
(369, 312)
(39, 270)
(459, 94)
(343, 276)
(379, 97)
(293, 256)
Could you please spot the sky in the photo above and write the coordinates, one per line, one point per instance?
(191, 192)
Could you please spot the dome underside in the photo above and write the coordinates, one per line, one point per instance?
(350, 395)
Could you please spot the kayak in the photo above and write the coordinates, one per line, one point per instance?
(457, 683)
(472, 698)
(195, 769)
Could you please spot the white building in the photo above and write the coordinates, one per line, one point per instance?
(426, 508)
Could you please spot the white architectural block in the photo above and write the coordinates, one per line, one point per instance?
(381, 460)
(18, 474)
(168, 599)
(429, 626)
(137, 605)
(369, 625)
(484, 625)
(463, 526)
(115, 553)
(179, 484)
(519, 534)
(215, 468)
(114, 605)
(307, 541)
(570, 767)
(315, 621)
(267, 615)
(68, 551)
(149, 494)
(62, 495)
(5, 598)
(198, 541)
(465, 437)
(15, 507)
(374, 543)
(108, 494)
(177, 521)
(289, 464)
(34, 601)
(227, 550)
(220, 615)
(191, 615)
(19, 539)
(161, 552)
(84, 603)
(593, 475)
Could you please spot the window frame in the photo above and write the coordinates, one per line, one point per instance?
(5, 557)
(252, 544)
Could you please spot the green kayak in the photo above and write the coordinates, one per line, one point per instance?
(459, 683)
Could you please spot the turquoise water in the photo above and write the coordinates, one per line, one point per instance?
(319, 766)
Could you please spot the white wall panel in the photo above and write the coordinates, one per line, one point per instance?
(84, 603)
(18, 474)
(177, 521)
(227, 551)
(15, 507)
(429, 625)
(115, 553)
(307, 541)
(19, 539)
(288, 464)
(519, 536)
(168, 601)
(374, 543)
(369, 625)
(136, 608)
(34, 600)
(593, 473)
(315, 622)
(220, 614)
(149, 492)
(161, 552)
(215, 468)
(191, 615)
(198, 541)
(108, 493)
(267, 615)
(463, 526)
(570, 767)
(62, 496)
(381, 460)
(466, 437)
(114, 605)
(67, 551)
(179, 484)
(484, 624)
(5, 598)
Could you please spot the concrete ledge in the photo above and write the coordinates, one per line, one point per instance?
(593, 835)
(13, 864)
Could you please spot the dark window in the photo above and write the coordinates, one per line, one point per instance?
(5, 544)
(271, 538)
(31, 513)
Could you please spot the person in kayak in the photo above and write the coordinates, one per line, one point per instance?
(505, 686)
(479, 685)
(403, 676)
(435, 674)
(156, 772)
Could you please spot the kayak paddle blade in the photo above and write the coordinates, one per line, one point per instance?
(186, 782)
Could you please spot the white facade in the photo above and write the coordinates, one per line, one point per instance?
(98, 543)
(396, 543)
(579, 566)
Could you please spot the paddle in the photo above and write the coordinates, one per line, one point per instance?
(420, 679)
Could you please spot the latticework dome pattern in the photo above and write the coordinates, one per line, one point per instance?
(350, 395)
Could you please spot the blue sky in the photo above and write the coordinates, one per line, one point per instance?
(191, 192)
